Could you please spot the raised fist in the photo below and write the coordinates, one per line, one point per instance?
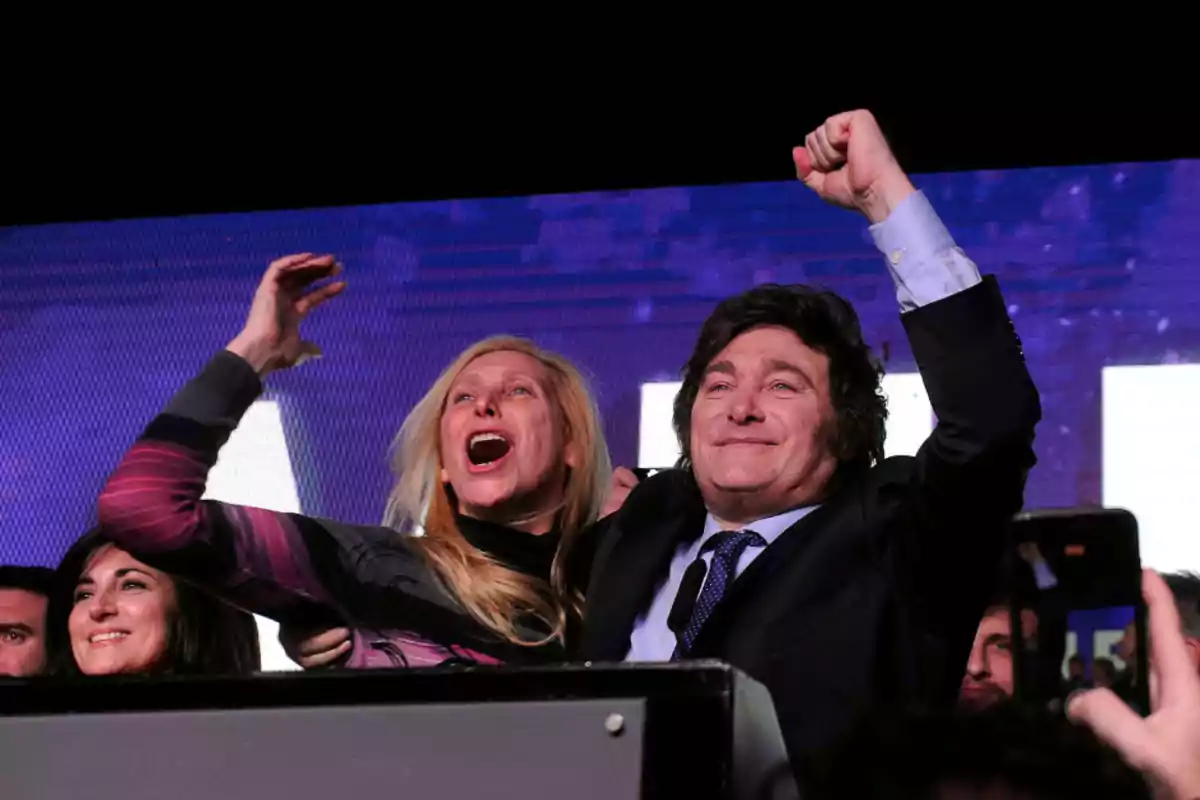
(848, 162)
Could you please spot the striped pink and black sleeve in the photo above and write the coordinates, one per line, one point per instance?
(260, 560)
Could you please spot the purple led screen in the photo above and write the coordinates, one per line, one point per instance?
(101, 322)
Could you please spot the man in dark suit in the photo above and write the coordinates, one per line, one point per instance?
(860, 581)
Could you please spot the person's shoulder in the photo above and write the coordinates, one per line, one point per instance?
(893, 469)
(662, 491)
(884, 483)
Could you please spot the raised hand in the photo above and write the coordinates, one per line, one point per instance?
(848, 162)
(270, 339)
(1165, 746)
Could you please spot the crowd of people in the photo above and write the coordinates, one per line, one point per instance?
(854, 587)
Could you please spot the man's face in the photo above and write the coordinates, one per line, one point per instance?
(989, 676)
(22, 632)
(761, 425)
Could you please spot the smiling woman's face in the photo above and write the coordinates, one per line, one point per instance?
(503, 446)
(121, 616)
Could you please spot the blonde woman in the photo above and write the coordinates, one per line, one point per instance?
(500, 467)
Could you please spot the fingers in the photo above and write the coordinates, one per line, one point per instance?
(287, 262)
(825, 148)
(304, 273)
(1155, 690)
(304, 260)
(806, 169)
(306, 352)
(327, 658)
(292, 268)
(824, 151)
(819, 162)
(837, 131)
(832, 145)
(319, 295)
(323, 642)
(1169, 657)
(803, 162)
(297, 275)
(1114, 722)
(624, 478)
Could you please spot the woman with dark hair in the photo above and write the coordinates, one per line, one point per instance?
(112, 614)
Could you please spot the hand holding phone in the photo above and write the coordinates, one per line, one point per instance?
(1166, 745)
(1077, 613)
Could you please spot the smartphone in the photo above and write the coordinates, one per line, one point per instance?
(1076, 609)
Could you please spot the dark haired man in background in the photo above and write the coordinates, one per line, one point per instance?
(24, 593)
(1185, 588)
(860, 581)
(990, 675)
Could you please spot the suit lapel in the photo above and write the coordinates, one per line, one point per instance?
(658, 515)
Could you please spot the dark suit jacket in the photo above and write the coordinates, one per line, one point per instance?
(874, 598)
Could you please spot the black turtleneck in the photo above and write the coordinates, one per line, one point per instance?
(528, 553)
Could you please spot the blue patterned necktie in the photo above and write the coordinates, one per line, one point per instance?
(728, 547)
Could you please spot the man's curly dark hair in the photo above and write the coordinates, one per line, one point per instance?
(828, 324)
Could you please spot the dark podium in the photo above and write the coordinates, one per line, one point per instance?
(695, 730)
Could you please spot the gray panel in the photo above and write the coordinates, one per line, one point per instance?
(760, 762)
(487, 750)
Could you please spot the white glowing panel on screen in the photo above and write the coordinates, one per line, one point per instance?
(1104, 646)
(1072, 648)
(657, 445)
(254, 469)
(1151, 462)
(910, 419)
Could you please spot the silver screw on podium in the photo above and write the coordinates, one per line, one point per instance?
(614, 724)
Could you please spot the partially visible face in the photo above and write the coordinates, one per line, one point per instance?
(22, 632)
(989, 676)
(121, 618)
(503, 447)
(760, 426)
